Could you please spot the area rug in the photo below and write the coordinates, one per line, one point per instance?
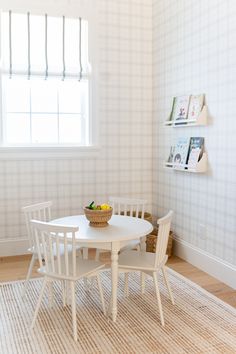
(198, 323)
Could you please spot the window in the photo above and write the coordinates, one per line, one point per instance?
(45, 81)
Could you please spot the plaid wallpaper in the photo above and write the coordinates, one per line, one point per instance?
(194, 51)
(124, 164)
(149, 51)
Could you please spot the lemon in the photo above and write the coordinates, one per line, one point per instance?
(105, 207)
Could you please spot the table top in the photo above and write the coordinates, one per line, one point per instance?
(120, 228)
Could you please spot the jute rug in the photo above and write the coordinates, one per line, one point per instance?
(198, 323)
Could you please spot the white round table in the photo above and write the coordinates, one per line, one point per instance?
(120, 230)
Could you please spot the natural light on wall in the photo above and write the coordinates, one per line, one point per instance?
(45, 80)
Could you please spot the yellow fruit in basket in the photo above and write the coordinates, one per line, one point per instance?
(105, 207)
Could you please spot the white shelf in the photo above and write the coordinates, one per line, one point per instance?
(201, 166)
(200, 120)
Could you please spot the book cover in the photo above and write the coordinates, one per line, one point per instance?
(171, 155)
(195, 106)
(172, 108)
(196, 147)
(181, 152)
(180, 109)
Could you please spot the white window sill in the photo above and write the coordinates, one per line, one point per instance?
(47, 152)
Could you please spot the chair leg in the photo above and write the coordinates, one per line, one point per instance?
(101, 293)
(158, 297)
(73, 309)
(39, 302)
(142, 276)
(126, 289)
(26, 283)
(168, 284)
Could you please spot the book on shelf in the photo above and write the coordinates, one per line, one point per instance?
(180, 108)
(195, 152)
(181, 150)
(172, 109)
(171, 154)
(195, 106)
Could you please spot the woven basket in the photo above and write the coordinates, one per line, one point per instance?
(152, 240)
(98, 218)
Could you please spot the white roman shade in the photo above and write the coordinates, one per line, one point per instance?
(41, 45)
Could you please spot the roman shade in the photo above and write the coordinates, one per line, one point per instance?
(44, 46)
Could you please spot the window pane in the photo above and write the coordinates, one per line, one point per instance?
(44, 96)
(17, 95)
(70, 128)
(44, 128)
(84, 96)
(70, 97)
(18, 128)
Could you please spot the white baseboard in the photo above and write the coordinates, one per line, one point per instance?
(13, 247)
(216, 267)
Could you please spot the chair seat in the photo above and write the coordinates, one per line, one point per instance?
(84, 268)
(139, 260)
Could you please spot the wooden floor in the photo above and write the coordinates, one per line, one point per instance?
(15, 268)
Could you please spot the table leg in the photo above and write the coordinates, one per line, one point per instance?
(114, 278)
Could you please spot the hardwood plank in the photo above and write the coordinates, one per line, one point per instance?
(15, 268)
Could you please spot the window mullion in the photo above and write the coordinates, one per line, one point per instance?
(30, 103)
(58, 119)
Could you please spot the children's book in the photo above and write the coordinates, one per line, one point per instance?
(171, 155)
(195, 106)
(196, 147)
(172, 108)
(180, 108)
(181, 152)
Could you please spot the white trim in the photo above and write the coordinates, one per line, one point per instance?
(13, 247)
(82, 8)
(48, 152)
(214, 266)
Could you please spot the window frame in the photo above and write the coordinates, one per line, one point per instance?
(28, 151)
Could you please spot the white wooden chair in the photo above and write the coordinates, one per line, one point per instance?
(150, 263)
(39, 211)
(65, 266)
(127, 206)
